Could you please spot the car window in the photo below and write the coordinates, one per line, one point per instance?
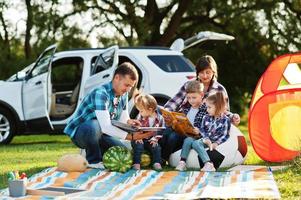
(172, 63)
(102, 62)
(43, 64)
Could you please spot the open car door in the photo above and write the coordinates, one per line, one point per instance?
(37, 90)
(180, 45)
(103, 69)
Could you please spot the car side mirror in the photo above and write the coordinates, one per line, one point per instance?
(21, 75)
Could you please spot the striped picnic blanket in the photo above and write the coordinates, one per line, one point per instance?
(149, 184)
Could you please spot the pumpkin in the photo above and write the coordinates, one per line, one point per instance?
(118, 159)
(72, 163)
(145, 160)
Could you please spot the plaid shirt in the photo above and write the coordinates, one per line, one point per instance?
(159, 121)
(199, 115)
(101, 98)
(179, 100)
(215, 129)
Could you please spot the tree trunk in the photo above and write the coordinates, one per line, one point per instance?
(6, 41)
(29, 23)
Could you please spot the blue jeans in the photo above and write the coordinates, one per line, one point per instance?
(89, 136)
(170, 142)
(197, 145)
(139, 148)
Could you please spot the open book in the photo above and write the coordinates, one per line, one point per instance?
(130, 128)
(180, 123)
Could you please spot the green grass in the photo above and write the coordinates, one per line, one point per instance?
(34, 153)
(31, 154)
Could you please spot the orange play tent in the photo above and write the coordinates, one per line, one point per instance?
(275, 110)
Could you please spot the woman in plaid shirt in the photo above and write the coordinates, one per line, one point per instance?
(206, 72)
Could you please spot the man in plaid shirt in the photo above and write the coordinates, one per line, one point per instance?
(91, 127)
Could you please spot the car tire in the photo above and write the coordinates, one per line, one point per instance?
(7, 126)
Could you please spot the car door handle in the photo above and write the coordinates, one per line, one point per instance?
(106, 76)
(38, 83)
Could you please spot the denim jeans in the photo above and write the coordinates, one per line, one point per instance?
(170, 142)
(89, 136)
(139, 149)
(197, 145)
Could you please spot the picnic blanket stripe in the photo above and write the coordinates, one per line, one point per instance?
(159, 185)
(149, 184)
(38, 177)
(90, 183)
(194, 182)
(125, 181)
(48, 180)
(139, 185)
(118, 181)
(146, 186)
(137, 179)
(82, 178)
(109, 185)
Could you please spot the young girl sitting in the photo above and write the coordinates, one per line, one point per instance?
(149, 117)
(213, 127)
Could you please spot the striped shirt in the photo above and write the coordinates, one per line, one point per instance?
(102, 99)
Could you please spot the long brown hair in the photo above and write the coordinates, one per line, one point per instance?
(219, 101)
(206, 62)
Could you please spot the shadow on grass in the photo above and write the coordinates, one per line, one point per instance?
(29, 172)
(39, 142)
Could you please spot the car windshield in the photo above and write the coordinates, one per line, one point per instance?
(172, 63)
(26, 70)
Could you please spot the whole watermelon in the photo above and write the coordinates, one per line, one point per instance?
(118, 159)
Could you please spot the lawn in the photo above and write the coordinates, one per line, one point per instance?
(33, 153)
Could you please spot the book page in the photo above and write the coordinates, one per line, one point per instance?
(180, 123)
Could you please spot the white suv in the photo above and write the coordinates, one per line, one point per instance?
(42, 97)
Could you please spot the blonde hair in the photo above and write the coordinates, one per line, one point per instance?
(146, 101)
(194, 87)
(219, 101)
(207, 62)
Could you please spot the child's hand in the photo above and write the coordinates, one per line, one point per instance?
(196, 131)
(235, 119)
(134, 122)
(207, 142)
(214, 145)
(139, 141)
(167, 119)
(153, 141)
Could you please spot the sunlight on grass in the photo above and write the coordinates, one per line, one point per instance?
(31, 154)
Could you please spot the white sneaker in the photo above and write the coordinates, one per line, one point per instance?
(96, 165)
(208, 167)
(181, 166)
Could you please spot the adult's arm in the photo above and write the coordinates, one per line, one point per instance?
(103, 118)
(174, 103)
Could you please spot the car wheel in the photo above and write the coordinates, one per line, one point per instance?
(7, 126)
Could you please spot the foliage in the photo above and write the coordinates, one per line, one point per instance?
(263, 30)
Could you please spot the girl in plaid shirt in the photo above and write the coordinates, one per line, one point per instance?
(148, 117)
(213, 128)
